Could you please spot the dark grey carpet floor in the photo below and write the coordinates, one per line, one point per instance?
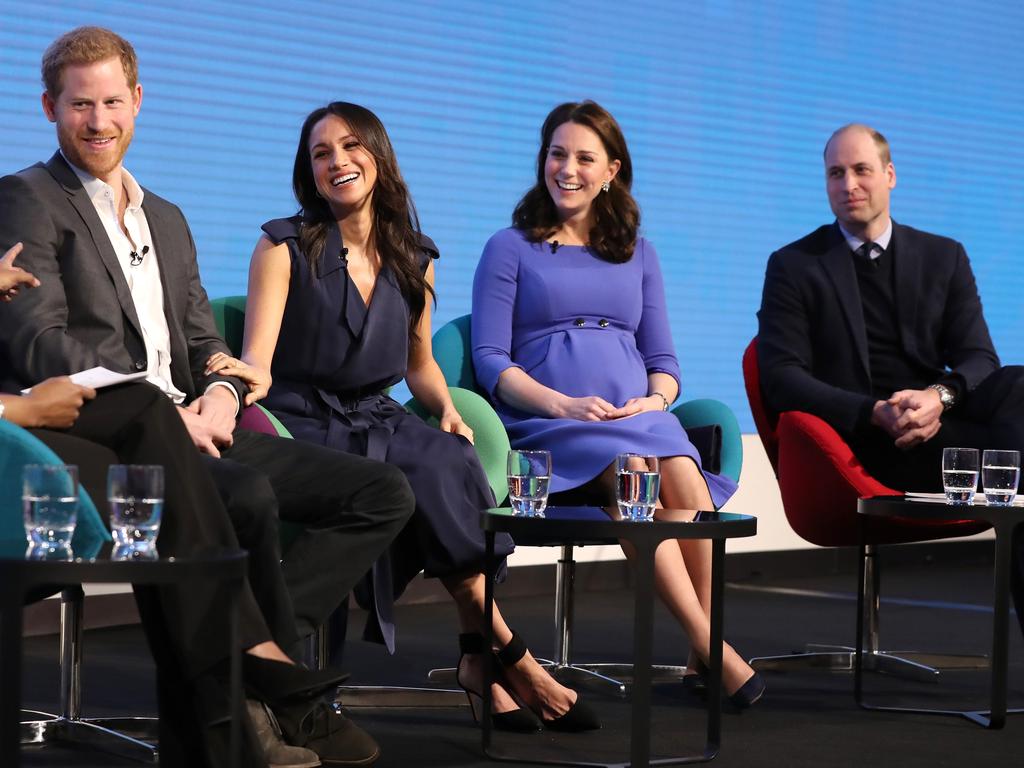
(807, 719)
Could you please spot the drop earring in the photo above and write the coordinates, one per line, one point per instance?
(605, 186)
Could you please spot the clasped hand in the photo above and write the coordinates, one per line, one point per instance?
(210, 420)
(909, 416)
(594, 408)
(258, 379)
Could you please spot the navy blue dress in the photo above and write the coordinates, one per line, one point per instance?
(335, 357)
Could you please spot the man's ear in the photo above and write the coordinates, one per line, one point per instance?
(49, 106)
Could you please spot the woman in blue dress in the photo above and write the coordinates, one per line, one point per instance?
(338, 310)
(572, 342)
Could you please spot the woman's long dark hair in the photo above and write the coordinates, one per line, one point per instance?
(396, 227)
(616, 214)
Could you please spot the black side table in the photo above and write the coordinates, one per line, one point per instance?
(573, 524)
(20, 576)
(932, 507)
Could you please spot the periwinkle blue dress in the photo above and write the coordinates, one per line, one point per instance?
(334, 359)
(582, 326)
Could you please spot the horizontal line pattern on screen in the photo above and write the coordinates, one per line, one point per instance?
(726, 106)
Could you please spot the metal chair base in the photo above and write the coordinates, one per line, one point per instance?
(910, 665)
(135, 738)
(386, 696)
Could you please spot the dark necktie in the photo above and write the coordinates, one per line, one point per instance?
(865, 251)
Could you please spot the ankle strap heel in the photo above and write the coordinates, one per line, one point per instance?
(513, 651)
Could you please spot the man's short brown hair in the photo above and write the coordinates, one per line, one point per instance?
(881, 143)
(86, 45)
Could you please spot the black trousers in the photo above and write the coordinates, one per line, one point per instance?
(349, 510)
(990, 416)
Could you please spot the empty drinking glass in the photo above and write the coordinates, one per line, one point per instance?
(50, 505)
(959, 474)
(136, 496)
(529, 475)
(1000, 472)
(637, 485)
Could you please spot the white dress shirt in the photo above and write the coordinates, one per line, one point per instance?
(142, 273)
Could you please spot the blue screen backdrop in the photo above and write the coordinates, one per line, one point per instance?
(726, 107)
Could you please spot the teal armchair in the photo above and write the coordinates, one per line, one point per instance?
(704, 420)
(19, 447)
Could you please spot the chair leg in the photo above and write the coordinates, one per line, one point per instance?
(912, 665)
(131, 737)
(379, 696)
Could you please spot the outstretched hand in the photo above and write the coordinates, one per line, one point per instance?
(13, 278)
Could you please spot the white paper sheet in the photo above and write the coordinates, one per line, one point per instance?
(100, 377)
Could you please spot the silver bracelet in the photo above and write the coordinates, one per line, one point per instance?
(664, 400)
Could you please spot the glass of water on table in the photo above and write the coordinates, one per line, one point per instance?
(135, 493)
(49, 495)
(637, 486)
(1000, 472)
(959, 474)
(529, 476)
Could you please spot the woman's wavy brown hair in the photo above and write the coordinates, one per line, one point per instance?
(616, 214)
(396, 227)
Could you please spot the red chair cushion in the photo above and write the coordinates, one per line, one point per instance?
(821, 480)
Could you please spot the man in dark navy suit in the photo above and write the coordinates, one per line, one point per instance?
(877, 328)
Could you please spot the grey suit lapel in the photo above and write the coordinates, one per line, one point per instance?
(838, 265)
(80, 201)
(172, 280)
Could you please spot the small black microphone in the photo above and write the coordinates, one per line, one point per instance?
(343, 256)
(555, 245)
(136, 257)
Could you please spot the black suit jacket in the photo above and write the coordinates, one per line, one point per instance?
(812, 344)
(83, 314)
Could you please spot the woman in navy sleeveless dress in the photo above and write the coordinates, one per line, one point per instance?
(572, 342)
(338, 309)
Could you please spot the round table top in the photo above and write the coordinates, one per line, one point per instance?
(98, 567)
(605, 525)
(933, 506)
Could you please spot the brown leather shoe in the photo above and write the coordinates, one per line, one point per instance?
(278, 754)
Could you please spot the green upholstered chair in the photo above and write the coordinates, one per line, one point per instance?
(19, 447)
(712, 427)
(491, 442)
(492, 447)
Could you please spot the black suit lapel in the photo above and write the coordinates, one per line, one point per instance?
(907, 267)
(80, 201)
(838, 265)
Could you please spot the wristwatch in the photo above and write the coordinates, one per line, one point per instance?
(946, 396)
(664, 400)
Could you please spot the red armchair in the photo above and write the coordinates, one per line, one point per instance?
(820, 481)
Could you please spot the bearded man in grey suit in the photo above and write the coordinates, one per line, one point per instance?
(120, 288)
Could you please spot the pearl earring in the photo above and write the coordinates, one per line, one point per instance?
(605, 186)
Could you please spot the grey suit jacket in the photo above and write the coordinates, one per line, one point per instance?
(83, 314)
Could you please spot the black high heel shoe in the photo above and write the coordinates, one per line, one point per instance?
(579, 717)
(696, 682)
(517, 720)
(748, 694)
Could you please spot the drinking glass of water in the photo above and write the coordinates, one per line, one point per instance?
(959, 474)
(529, 475)
(49, 497)
(1000, 472)
(637, 485)
(136, 496)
